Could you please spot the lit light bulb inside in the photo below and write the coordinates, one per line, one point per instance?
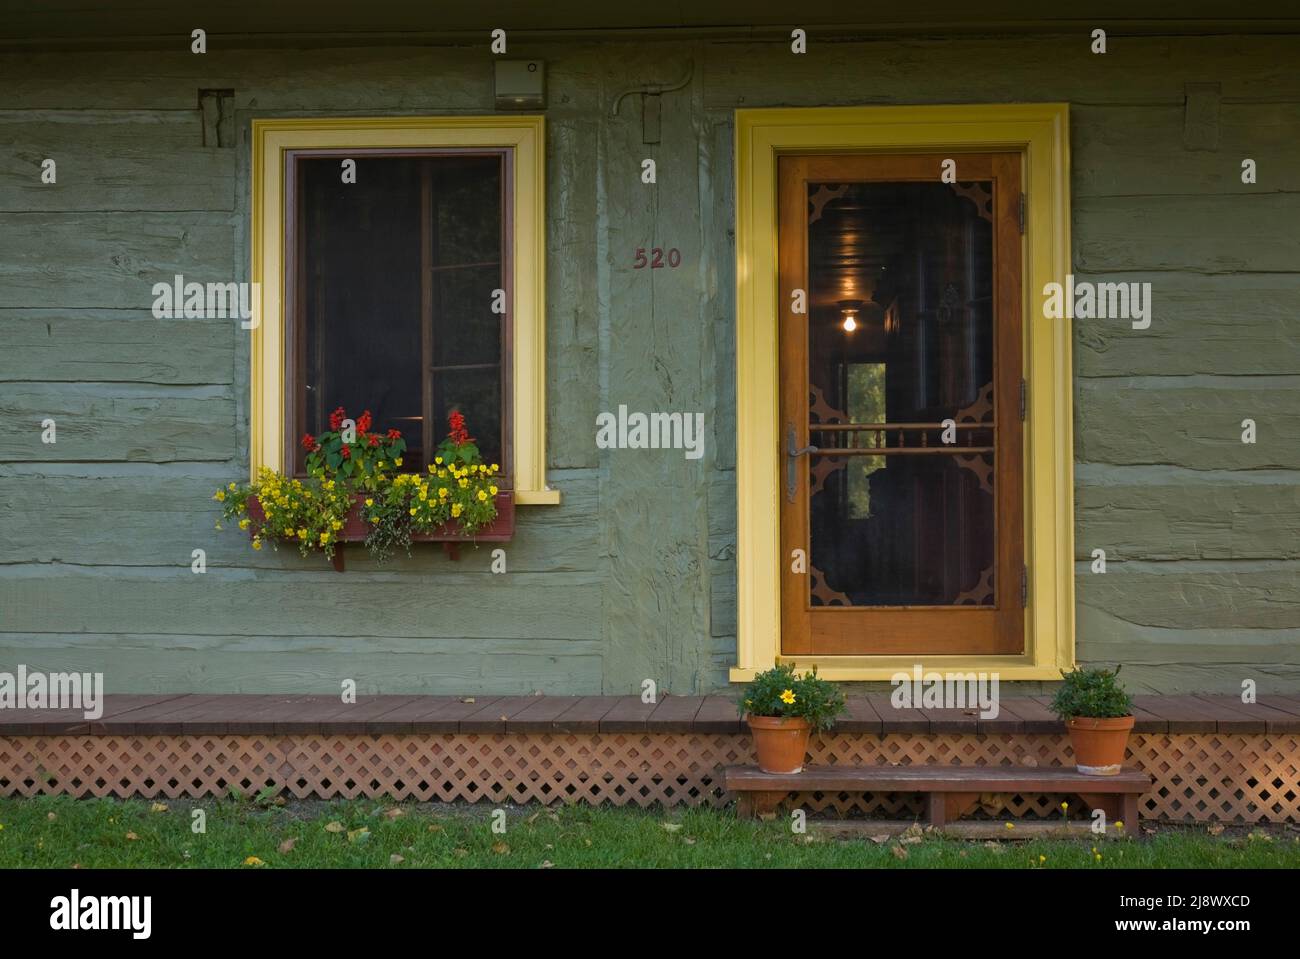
(850, 321)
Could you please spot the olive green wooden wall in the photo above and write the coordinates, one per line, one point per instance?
(633, 577)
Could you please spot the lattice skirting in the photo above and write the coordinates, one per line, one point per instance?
(1228, 778)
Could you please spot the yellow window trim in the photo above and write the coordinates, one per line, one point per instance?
(1040, 132)
(526, 134)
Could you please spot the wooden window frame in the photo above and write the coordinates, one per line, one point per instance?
(273, 140)
(1039, 133)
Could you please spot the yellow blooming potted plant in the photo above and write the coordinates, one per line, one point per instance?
(783, 708)
(355, 490)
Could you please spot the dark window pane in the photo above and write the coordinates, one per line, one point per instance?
(379, 333)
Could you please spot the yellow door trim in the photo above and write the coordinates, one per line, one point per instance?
(1040, 133)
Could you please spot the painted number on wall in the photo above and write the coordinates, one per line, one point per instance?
(657, 259)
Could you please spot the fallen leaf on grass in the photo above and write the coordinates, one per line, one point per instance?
(899, 852)
(132, 836)
(253, 861)
(288, 844)
(460, 853)
(394, 859)
(51, 816)
(393, 813)
(158, 807)
(586, 842)
(435, 828)
(359, 835)
(688, 840)
(909, 840)
(335, 826)
(546, 864)
(533, 818)
(671, 826)
(500, 848)
(880, 839)
(1216, 829)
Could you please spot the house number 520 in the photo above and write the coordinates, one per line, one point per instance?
(657, 258)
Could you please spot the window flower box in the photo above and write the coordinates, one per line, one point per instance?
(356, 529)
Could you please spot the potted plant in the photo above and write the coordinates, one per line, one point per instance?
(783, 709)
(1098, 715)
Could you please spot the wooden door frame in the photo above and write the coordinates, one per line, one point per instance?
(1040, 134)
(907, 630)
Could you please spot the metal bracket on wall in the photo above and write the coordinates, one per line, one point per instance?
(650, 104)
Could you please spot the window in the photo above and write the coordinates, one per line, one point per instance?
(869, 539)
(394, 296)
(413, 287)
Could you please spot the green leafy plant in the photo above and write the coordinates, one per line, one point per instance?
(782, 692)
(1093, 693)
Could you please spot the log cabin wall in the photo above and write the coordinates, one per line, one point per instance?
(633, 576)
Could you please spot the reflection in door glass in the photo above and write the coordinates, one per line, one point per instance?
(900, 339)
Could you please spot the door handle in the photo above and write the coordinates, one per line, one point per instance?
(792, 454)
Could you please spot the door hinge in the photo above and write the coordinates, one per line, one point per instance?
(1024, 397)
(1024, 586)
(1022, 214)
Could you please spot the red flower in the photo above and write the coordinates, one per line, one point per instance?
(347, 452)
(308, 441)
(394, 434)
(459, 434)
(337, 418)
(374, 440)
(363, 422)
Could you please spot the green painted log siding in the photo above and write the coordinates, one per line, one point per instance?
(633, 577)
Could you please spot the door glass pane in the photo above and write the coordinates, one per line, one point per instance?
(900, 339)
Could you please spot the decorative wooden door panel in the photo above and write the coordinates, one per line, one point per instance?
(902, 514)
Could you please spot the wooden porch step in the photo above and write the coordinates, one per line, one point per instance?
(950, 791)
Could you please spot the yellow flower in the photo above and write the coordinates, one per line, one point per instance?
(442, 491)
(463, 483)
(231, 487)
(1119, 824)
(455, 509)
(370, 501)
(219, 496)
(243, 523)
(257, 543)
(253, 861)
(492, 490)
(1042, 859)
(1011, 825)
(412, 510)
(495, 467)
(1098, 857)
(324, 538)
(381, 464)
(337, 524)
(482, 496)
(375, 520)
(432, 470)
(288, 531)
(438, 460)
(787, 697)
(302, 534)
(398, 461)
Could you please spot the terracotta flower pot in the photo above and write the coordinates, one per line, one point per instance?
(781, 742)
(1099, 744)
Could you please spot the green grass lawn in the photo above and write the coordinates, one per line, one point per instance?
(61, 833)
